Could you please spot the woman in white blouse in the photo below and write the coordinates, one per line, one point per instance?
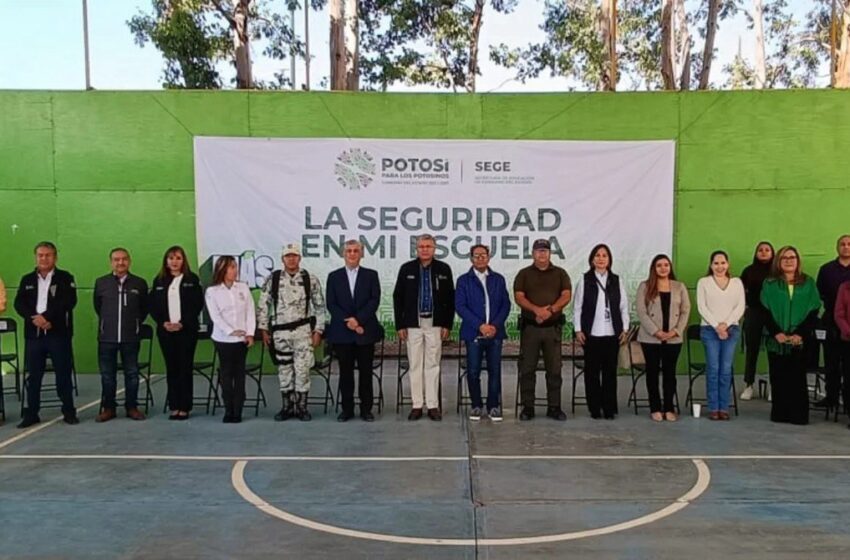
(721, 302)
(231, 310)
(176, 301)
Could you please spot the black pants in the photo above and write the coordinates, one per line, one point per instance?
(753, 333)
(533, 341)
(836, 366)
(789, 390)
(661, 358)
(58, 349)
(232, 375)
(178, 350)
(347, 355)
(600, 374)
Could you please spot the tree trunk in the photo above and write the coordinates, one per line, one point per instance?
(241, 44)
(608, 35)
(760, 65)
(474, 34)
(842, 61)
(708, 50)
(337, 42)
(668, 46)
(345, 54)
(352, 46)
(683, 47)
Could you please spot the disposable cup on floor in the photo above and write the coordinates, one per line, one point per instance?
(697, 410)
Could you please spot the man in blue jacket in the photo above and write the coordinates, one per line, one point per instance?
(482, 301)
(353, 296)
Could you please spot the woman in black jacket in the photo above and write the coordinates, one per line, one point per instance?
(176, 301)
(754, 317)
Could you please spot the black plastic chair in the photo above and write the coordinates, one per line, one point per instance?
(206, 368)
(9, 329)
(578, 373)
(323, 368)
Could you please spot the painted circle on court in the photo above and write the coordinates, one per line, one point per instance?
(703, 480)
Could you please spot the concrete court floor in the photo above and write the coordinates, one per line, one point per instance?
(97, 498)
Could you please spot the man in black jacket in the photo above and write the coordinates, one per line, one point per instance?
(45, 300)
(120, 301)
(424, 306)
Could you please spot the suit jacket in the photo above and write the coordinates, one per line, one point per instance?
(652, 319)
(61, 300)
(363, 306)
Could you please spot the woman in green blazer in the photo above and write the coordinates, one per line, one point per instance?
(792, 302)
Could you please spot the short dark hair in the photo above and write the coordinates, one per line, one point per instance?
(479, 246)
(116, 249)
(45, 245)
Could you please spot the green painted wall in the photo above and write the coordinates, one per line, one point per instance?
(92, 170)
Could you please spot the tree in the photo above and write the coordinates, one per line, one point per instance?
(344, 42)
(423, 42)
(675, 46)
(577, 47)
(195, 35)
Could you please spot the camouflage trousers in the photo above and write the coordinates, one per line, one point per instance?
(295, 353)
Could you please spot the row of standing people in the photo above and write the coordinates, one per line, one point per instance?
(291, 319)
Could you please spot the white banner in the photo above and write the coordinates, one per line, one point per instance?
(254, 195)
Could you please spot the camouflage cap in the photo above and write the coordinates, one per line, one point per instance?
(292, 249)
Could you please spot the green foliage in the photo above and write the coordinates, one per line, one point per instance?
(418, 42)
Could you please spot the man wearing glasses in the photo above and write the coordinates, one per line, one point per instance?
(424, 308)
(482, 301)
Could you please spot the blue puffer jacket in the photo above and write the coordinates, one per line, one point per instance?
(469, 304)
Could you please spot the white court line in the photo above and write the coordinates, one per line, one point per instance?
(409, 459)
(38, 427)
(238, 480)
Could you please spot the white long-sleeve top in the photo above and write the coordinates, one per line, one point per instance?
(602, 326)
(231, 309)
(717, 305)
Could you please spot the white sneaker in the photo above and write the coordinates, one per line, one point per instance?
(496, 414)
(747, 394)
(475, 414)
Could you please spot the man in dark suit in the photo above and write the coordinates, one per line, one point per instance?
(353, 296)
(46, 299)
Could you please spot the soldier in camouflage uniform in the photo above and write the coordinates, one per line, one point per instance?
(292, 327)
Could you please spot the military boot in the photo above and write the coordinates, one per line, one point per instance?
(301, 407)
(286, 411)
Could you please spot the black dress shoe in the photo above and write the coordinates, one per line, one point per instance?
(556, 413)
(344, 416)
(71, 419)
(610, 416)
(435, 414)
(174, 416)
(595, 415)
(28, 421)
(228, 419)
(526, 414)
(367, 416)
(415, 414)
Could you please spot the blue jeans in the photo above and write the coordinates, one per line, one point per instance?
(107, 355)
(476, 350)
(719, 355)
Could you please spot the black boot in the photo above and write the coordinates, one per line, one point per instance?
(301, 407)
(286, 411)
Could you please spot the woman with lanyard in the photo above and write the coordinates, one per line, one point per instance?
(177, 300)
(601, 315)
(721, 303)
(792, 302)
(231, 310)
(663, 307)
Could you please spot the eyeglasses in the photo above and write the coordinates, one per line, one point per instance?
(480, 256)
